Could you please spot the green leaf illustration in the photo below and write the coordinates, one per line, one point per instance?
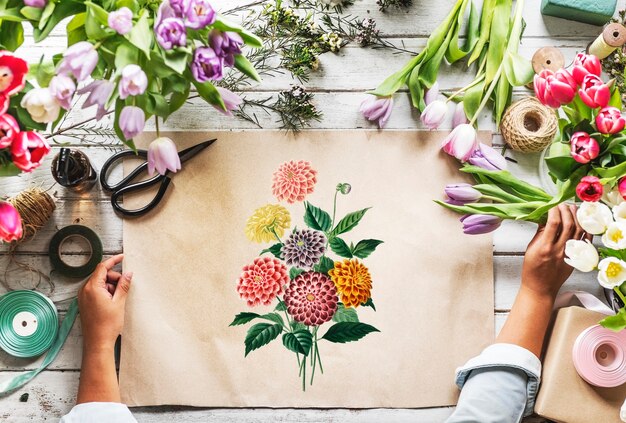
(274, 318)
(348, 332)
(280, 307)
(294, 272)
(324, 265)
(243, 318)
(316, 218)
(299, 341)
(340, 247)
(348, 223)
(344, 314)
(261, 334)
(369, 303)
(366, 247)
(275, 250)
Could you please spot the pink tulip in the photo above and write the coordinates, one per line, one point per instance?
(80, 60)
(555, 88)
(62, 87)
(99, 92)
(10, 222)
(230, 99)
(133, 81)
(121, 20)
(132, 121)
(434, 114)
(622, 187)
(594, 92)
(459, 117)
(461, 143)
(9, 128)
(28, 150)
(432, 94)
(584, 148)
(589, 189)
(162, 156)
(39, 4)
(610, 120)
(377, 109)
(585, 64)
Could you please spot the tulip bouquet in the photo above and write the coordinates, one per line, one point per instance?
(143, 58)
(610, 260)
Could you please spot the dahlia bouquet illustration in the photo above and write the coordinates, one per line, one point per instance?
(296, 274)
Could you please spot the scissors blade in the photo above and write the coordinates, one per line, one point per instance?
(193, 151)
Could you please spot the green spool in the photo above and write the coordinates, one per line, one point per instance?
(29, 323)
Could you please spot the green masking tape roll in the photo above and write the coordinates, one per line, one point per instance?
(75, 271)
(28, 323)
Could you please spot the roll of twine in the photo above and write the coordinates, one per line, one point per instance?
(35, 207)
(529, 126)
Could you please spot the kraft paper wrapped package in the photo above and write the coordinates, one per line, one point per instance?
(432, 286)
(564, 396)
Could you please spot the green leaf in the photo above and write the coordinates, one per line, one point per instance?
(498, 38)
(209, 93)
(615, 323)
(11, 35)
(261, 334)
(63, 9)
(294, 272)
(612, 172)
(141, 36)
(9, 169)
(518, 70)
(243, 318)
(248, 37)
(176, 60)
(369, 303)
(101, 15)
(299, 341)
(244, 66)
(131, 4)
(348, 332)
(366, 247)
(280, 306)
(178, 99)
(454, 53)
(506, 179)
(325, 265)
(11, 15)
(616, 98)
(274, 318)
(340, 247)
(46, 14)
(31, 13)
(486, 17)
(473, 97)
(348, 223)
(562, 167)
(415, 88)
(275, 250)
(316, 218)
(161, 107)
(126, 54)
(344, 314)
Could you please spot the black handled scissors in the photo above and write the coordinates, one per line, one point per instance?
(126, 185)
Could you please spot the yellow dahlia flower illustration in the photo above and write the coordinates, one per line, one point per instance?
(267, 222)
(353, 282)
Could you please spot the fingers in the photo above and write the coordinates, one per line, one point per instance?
(113, 277)
(553, 226)
(111, 288)
(111, 262)
(568, 223)
(123, 287)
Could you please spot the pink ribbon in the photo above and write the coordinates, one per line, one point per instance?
(587, 300)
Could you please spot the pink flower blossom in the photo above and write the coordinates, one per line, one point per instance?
(121, 20)
(261, 281)
(594, 92)
(585, 64)
(377, 109)
(610, 121)
(293, 181)
(584, 148)
(9, 128)
(311, 298)
(28, 150)
(555, 88)
(162, 156)
(10, 222)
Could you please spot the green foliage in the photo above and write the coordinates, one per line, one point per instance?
(369, 303)
(325, 265)
(364, 248)
(340, 247)
(275, 250)
(299, 341)
(348, 223)
(344, 314)
(316, 218)
(261, 334)
(243, 318)
(343, 332)
(294, 272)
(615, 323)
(274, 317)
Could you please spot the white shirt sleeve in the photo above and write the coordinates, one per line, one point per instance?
(498, 386)
(97, 412)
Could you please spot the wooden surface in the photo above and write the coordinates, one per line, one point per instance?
(339, 87)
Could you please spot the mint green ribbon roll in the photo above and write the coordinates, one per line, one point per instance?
(29, 327)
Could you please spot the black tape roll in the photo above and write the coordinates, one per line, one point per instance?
(75, 271)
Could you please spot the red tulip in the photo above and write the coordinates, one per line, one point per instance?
(584, 148)
(10, 222)
(13, 72)
(555, 88)
(610, 120)
(594, 92)
(28, 150)
(585, 64)
(589, 189)
(8, 129)
(622, 187)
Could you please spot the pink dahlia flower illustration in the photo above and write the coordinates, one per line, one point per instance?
(304, 248)
(311, 298)
(261, 281)
(293, 181)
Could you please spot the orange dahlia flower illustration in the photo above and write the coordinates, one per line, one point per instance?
(353, 282)
(293, 181)
(261, 281)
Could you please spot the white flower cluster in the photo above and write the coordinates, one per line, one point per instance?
(333, 40)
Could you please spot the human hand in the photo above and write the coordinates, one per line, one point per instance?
(101, 302)
(545, 270)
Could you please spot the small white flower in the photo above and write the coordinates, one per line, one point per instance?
(612, 198)
(594, 218)
(619, 212)
(611, 272)
(615, 236)
(581, 255)
(41, 105)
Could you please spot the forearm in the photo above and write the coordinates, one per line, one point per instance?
(98, 378)
(528, 321)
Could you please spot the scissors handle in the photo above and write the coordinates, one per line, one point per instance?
(106, 168)
(139, 186)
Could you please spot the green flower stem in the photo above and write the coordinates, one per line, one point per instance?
(313, 354)
(492, 87)
(619, 294)
(156, 124)
(276, 235)
(467, 87)
(317, 352)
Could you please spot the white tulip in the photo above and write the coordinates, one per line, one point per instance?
(581, 255)
(594, 218)
(41, 105)
(612, 198)
(619, 212)
(615, 236)
(611, 272)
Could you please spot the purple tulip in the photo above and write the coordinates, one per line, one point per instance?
(432, 94)
(488, 158)
(171, 33)
(99, 92)
(39, 4)
(459, 117)
(162, 156)
(121, 20)
(132, 121)
(206, 65)
(230, 99)
(165, 11)
(477, 224)
(133, 81)
(461, 143)
(226, 45)
(434, 114)
(200, 14)
(378, 109)
(62, 88)
(461, 194)
(180, 7)
(80, 60)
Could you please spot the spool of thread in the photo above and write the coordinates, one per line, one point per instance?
(28, 323)
(613, 36)
(599, 357)
(35, 207)
(548, 58)
(529, 126)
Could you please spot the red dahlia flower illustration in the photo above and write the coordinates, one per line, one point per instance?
(293, 181)
(311, 298)
(261, 281)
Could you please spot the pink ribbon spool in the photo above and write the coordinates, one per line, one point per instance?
(600, 357)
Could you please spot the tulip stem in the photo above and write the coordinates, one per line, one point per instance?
(467, 87)
(492, 87)
(619, 294)
(156, 123)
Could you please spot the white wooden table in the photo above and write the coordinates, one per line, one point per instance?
(338, 87)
